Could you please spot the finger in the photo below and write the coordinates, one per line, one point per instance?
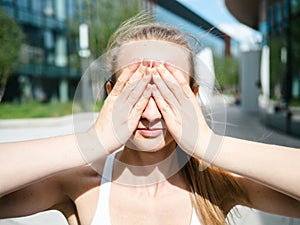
(137, 75)
(122, 80)
(171, 83)
(138, 90)
(181, 80)
(133, 81)
(163, 106)
(139, 107)
(164, 90)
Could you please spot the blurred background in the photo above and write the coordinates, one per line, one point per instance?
(251, 48)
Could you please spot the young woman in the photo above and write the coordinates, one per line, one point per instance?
(146, 160)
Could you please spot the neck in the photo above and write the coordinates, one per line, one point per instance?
(140, 168)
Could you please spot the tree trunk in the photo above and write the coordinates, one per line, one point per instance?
(3, 82)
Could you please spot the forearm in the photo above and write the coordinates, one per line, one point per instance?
(27, 161)
(275, 166)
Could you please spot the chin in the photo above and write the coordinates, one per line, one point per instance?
(140, 143)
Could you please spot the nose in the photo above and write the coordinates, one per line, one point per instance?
(151, 112)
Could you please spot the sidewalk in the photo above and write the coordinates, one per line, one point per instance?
(239, 124)
(249, 127)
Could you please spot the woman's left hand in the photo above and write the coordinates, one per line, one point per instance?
(180, 109)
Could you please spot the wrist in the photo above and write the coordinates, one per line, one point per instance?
(104, 139)
(208, 146)
(90, 145)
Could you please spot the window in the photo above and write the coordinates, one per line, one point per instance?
(278, 11)
(48, 39)
(295, 6)
(71, 8)
(60, 10)
(271, 19)
(22, 3)
(36, 6)
(7, 1)
(286, 13)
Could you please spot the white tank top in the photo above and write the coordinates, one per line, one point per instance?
(102, 215)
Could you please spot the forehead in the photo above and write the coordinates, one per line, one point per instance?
(156, 50)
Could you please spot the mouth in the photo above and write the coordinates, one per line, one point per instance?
(150, 132)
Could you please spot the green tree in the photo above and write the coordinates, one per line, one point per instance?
(10, 38)
(227, 73)
(103, 18)
(277, 67)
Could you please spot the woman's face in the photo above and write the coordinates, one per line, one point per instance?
(151, 133)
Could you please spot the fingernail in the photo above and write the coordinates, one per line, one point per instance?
(141, 68)
(158, 63)
(134, 66)
(145, 62)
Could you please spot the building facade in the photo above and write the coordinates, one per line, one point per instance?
(279, 22)
(50, 61)
(45, 72)
(283, 38)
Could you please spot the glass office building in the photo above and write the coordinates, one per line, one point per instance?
(50, 65)
(283, 39)
(279, 22)
(45, 69)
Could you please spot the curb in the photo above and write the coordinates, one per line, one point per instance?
(47, 122)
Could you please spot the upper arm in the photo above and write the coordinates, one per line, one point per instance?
(31, 199)
(269, 200)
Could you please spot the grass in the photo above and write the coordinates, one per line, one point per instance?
(294, 102)
(42, 110)
(34, 110)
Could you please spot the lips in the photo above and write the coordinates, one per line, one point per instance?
(151, 132)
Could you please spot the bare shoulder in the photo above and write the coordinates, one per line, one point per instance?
(82, 186)
(47, 193)
(77, 183)
(78, 180)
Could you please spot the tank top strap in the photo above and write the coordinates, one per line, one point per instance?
(195, 220)
(102, 215)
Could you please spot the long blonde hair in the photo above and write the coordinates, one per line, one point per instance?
(212, 186)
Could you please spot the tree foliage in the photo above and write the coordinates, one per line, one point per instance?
(227, 73)
(10, 38)
(103, 18)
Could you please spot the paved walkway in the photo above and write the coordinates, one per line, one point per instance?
(239, 124)
(248, 126)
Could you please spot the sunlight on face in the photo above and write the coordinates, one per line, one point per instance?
(151, 133)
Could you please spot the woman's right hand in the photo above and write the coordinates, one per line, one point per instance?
(123, 107)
